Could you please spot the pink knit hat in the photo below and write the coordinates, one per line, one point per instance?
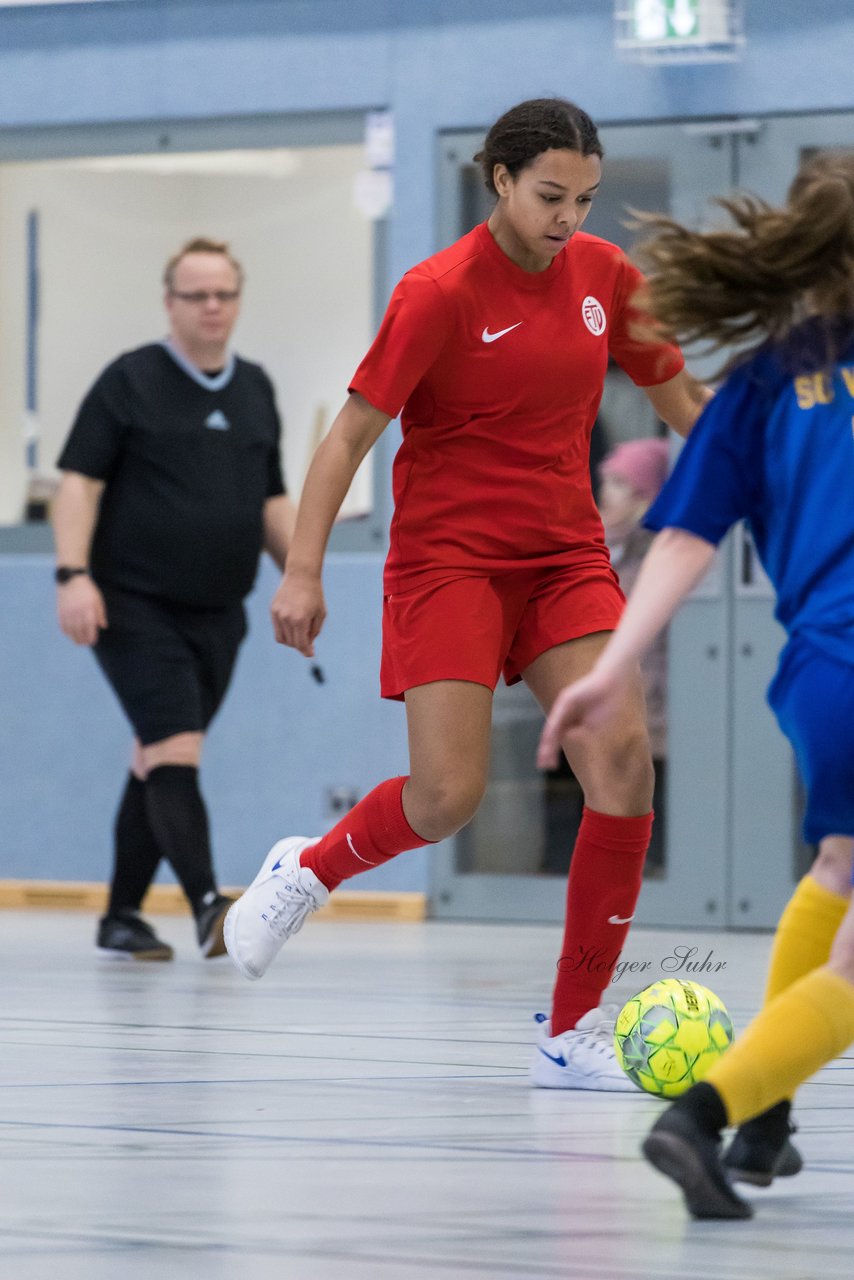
(641, 463)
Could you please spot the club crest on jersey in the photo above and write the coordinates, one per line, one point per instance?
(593, 315)
(217, 421)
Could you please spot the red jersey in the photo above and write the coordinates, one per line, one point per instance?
(497, 374)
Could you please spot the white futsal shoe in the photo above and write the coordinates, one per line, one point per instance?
(583, 1058)
(273, 908)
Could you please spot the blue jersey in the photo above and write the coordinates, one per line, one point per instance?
(777, 449)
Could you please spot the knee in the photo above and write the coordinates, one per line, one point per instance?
(621, 771)
(842, 951)
(832, 867)
(438, 809)
(181, 749)
(630, 755)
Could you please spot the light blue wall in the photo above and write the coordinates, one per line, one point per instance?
(280, 741)
(439, 64)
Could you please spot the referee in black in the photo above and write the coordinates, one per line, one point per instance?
(171, 487)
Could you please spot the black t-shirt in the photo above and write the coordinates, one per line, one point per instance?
(189, 460)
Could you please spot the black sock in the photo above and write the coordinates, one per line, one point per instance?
(772, 1124)
(705, 1106)
(136, 852)
(179, 820)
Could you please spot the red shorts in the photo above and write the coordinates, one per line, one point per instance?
(475, 628)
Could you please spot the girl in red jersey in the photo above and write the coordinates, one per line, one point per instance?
(494, 353)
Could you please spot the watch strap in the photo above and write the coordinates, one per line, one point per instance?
(64, 572)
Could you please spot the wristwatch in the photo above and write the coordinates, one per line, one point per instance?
(64, 573)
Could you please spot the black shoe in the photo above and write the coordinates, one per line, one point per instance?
(761, 1149)
(677, 1147)
(209, 921)
(126, 936)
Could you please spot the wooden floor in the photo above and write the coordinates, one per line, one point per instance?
(363, 1114)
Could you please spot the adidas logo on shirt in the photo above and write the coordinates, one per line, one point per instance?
(217, 421)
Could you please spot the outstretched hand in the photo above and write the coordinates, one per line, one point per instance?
(586, 704)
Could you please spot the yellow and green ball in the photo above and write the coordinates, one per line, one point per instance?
(669, 1035)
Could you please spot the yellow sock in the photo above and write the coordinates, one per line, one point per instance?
(804, 935)
(806, 1026)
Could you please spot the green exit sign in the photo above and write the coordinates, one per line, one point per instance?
(656, 20)
(678, 30)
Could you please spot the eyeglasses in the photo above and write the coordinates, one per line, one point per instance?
(200, 296)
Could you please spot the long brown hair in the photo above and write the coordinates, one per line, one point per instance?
(780, 266)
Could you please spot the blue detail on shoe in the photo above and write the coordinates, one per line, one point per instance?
(277, 865)
(559, 1061)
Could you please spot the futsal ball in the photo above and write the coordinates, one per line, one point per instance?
(669, 1035)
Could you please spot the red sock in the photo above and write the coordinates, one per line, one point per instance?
(604, 884)
(374, 831)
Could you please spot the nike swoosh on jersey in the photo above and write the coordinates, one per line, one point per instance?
(486, 336)
(619, 919)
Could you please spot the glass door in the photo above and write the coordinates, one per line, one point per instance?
(768, 853)
(511, 862)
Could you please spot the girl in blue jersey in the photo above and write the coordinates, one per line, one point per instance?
(774, 447)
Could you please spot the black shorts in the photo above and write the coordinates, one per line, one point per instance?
(169, 665)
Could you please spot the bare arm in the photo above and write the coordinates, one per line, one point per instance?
(280, 515)
(680, 401)
(298, 608)
(80, 605)
(673, 566)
